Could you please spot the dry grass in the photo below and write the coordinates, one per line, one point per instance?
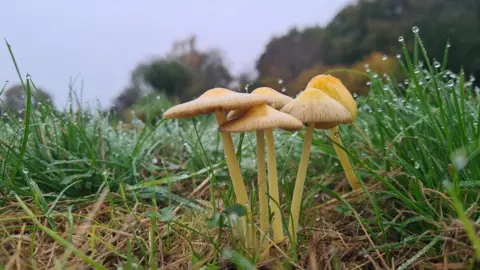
(104, 232)
(105, 240)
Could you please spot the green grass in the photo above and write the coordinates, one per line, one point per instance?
(417, 158)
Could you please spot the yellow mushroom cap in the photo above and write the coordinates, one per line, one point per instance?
(278, 100)
(316, 107)
(336, 90)
(214, 100)
(262, 117)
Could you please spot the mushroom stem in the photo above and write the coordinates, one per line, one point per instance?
(299, 182)
(273, 188)
(342, 156)
(262, 186)
(234, 170)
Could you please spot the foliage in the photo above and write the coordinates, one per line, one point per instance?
(178, 77)
(169, 77)
(14, 99)
(351, 76)
(368, 26)
(286, 57)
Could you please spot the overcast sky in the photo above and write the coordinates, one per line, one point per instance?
(101, 41)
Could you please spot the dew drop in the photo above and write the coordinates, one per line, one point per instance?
(436, 64)
(417, 165)
(399, 56)
(400, 39)
(415, 30)
(25, 170)
(450, 83)
(460, 160)
(280, 81)
(284, 89)
(384, 58)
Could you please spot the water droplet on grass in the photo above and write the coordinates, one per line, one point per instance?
(417, 165)
(400, 39)
(384, 58)
(460, 160)
(436, 64)
(415, 30)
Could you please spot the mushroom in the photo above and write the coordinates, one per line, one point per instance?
(336, 90)
(219, 101)
(262, 119)
(278, 101)
(317, 110)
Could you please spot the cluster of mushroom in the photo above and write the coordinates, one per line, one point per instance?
(324, 104)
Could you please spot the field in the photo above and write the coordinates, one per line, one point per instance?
(79, 189)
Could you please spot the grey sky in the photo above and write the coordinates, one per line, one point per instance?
(101, 41)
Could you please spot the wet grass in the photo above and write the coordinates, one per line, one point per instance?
(80, 189)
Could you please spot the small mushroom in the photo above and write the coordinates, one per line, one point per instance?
(278, 101)
(219, 101)
(336, 90)
(262, 119)
(317, 110)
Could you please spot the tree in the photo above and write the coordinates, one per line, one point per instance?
(374, 26)
(287, 56)
(170, 77)
(15, 98)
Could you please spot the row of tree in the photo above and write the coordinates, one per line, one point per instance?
(375, 26)
(362, 33)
